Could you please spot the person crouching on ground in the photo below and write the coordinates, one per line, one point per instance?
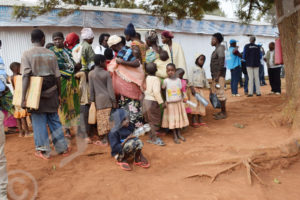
(123, 144)
(152, 102)
(175, 117)
(102, 93)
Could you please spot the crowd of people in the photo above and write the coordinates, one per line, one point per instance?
(129, 90)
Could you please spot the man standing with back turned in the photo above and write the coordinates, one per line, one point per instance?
(41, 62)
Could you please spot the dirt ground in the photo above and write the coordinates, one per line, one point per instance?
(93, 174)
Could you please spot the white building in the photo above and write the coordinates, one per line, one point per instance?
(194, 36)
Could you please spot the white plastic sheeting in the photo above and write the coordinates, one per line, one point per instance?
(17, 40)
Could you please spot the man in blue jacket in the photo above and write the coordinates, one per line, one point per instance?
(252, 56)
(233, 63)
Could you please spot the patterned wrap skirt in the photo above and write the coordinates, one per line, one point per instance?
(103, 123)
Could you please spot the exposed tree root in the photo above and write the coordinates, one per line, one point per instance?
(260, 159)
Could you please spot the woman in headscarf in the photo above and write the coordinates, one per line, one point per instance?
(174, 50)
(70, 105)
(87, 52)
(131, 35)
(72, 39)
(156, 54)
(128, 79)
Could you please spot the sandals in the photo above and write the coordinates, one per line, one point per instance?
(142, 164)
(181, 138)
(176, 141)
(41, 155)
(99, 143)
(88, 141)
(220, 116)
(202, 124)
(195, 125)
(123, 165)
(28, 135)
(158, 142)
(67, 152)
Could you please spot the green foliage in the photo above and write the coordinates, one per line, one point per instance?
(164, 8)
(247, 9)
(216, 12)
(48, 5)
(181, 8)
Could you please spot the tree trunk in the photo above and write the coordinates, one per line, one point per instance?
(289, 29)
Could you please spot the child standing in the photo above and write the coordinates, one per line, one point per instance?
(20, 114)
(152, 102)
(84, 129)
(123, 144)
(179, 74)
(102, 93)
(197, 84)
(175, 116)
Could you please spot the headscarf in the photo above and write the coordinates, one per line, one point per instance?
(151, 36)
(71, 41)
(219, 37)
(130, 30)
(167, 34)
(113, 40)
(87, 33)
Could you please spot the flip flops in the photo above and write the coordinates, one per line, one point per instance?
(142, 164)
(195, 125)
(123, 165)
(41, 155)
(99, 143)
(202, 124)
(67, 152)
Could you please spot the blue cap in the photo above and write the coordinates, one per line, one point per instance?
(232, 41)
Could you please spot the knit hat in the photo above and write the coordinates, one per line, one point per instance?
(130, 30)
(219, 37)
(87, 33)
(113, 40)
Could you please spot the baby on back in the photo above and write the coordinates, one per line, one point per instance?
(161, 64)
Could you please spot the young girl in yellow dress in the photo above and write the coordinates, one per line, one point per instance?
(175, 117)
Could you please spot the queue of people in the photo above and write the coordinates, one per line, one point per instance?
(127, 87)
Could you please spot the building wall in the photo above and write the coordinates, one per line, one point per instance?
(17, 40)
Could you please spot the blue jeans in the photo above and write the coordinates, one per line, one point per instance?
(235, 78)
(262, 75)
(41, 139)
(246, 84)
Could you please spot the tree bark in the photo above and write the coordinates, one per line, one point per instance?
(289, 29)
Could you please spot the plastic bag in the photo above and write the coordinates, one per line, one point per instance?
(214, 100)
(92, 114)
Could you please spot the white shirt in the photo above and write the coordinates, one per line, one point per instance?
(100, 50)
(272, 61)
